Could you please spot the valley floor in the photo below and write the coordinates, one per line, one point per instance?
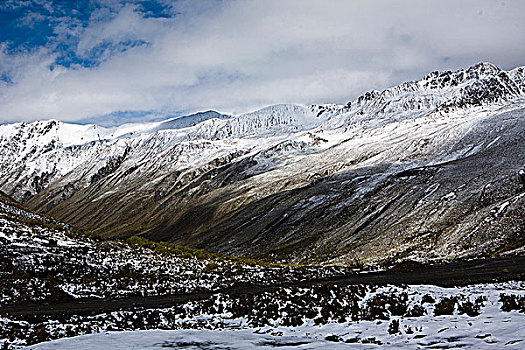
(60, 289)
(494, 326)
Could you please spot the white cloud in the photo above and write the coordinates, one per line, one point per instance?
(236, 56)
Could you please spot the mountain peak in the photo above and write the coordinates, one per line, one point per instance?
(481, 84)
(485, 67)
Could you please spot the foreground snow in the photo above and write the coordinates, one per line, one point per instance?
(444, 332)
(492, 329)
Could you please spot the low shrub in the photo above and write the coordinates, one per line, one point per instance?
(187, 252)
(445, 306)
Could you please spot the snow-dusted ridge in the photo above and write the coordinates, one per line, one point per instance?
(229, 163)
(47, 150)
(481, 85)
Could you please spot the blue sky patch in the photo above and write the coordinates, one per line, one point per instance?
(58, 24)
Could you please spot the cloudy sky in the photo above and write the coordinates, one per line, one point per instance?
(116, 61)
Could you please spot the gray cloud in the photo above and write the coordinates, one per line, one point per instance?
(240, 55)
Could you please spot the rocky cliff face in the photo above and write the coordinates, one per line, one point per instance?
(426, 169)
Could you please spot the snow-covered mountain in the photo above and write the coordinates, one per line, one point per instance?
(297, 182)
(36, 154)
(482, 85)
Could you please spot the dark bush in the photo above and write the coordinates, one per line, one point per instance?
(393, 328)
(427, 298)
(469, 308)
(416, 311)
(512, 302)
(445, 306)
(398, 304)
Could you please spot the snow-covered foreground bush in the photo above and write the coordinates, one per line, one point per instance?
(481, 316)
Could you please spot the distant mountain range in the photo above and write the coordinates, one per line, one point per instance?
(424, 170)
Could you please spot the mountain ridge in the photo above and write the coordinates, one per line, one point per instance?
(247, 184)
